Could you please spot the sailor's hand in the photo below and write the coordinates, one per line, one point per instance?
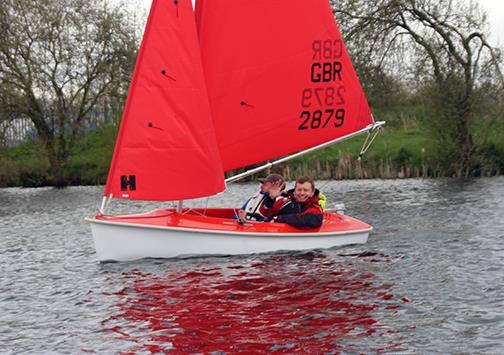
(275, 191)
(242, 215)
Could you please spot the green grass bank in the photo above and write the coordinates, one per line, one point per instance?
(397, 152)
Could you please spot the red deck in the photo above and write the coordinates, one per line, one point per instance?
(220, 219)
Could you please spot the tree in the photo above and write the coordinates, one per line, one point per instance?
(58, 58)
(441, 46)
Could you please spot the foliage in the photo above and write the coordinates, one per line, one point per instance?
(58, 59)
(27, 165)
(90, 162)
(439, 50)
(395, 153)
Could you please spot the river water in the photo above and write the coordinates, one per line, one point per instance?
(429, 280)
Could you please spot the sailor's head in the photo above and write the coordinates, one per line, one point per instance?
(272, 180)
(304, 188)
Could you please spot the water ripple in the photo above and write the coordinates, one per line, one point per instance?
(429, 280)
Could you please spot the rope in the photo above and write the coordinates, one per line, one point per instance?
(367, 143)
(372, 133)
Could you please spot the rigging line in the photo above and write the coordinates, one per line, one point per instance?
(194, 211)
(206, 206)
(241, 222)
(373, 133)
(235, 210)
(303, 152)
(105, 204)
(188, 210)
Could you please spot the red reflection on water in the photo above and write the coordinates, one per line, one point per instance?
(281, 304)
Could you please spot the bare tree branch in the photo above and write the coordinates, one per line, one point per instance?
(57, 60)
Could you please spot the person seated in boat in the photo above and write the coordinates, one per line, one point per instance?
(251, 208)
(300, 208)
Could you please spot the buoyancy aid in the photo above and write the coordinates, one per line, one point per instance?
(252, 207)
(322, 200)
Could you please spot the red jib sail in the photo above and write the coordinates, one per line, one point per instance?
(278, 76)
(166, 147)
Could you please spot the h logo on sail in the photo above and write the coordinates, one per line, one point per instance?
(128, 183)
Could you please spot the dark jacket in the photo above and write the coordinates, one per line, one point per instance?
(307, 214)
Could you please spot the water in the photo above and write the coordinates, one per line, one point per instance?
(430, 280)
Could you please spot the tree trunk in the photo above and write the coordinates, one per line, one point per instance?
(57, 162)
(465, 147)
(59, 177)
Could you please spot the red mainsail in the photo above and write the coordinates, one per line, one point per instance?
(166, 147)
(278, 76)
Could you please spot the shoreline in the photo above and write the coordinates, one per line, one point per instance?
(288, 180)
(398, 153)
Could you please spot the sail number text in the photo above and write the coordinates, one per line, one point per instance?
(323, 104)
(325, 68)
(327, 49)
(321, 119)
(327, 96)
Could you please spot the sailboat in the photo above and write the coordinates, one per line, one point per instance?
(225, 86)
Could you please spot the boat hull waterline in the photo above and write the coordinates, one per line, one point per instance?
(164, 233)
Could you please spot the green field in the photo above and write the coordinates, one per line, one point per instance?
(396, 153)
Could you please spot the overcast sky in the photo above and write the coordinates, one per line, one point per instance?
(494, 9)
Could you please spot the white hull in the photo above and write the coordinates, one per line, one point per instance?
(125, 241)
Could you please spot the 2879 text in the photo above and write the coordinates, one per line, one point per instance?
(321, 119)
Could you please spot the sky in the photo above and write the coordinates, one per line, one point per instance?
(494, 9)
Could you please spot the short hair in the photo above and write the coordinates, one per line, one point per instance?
(272, 178)
(303, 179)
